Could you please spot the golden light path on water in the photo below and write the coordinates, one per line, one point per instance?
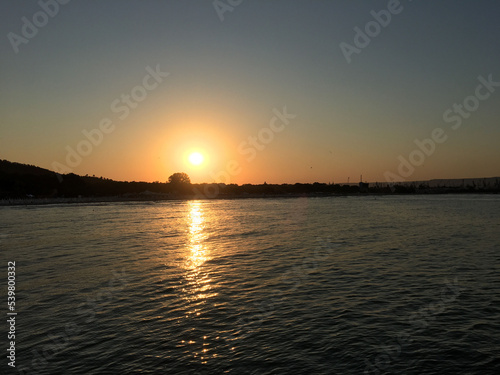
(198, 289)
(197, 251)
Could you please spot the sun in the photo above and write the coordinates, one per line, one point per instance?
(196, 158)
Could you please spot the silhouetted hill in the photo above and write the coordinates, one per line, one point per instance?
(23, 169)
(21, 181)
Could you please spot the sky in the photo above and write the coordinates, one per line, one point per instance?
(280, 91)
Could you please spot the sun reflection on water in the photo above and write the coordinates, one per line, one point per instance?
(198, 253)
(199, 286)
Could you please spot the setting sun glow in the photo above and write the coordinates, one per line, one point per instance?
(196, 158)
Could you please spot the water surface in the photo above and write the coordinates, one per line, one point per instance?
(258, 286)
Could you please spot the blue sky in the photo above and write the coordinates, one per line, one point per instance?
(226, 78)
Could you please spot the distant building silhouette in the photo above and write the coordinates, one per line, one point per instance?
(363, 186)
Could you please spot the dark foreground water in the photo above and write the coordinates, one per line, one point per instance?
(402, 285)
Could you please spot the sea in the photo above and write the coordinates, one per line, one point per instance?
(311, 285)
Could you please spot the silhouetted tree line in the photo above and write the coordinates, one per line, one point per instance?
(21, 181)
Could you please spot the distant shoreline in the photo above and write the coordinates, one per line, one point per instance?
(154, 198)
(22, 184)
